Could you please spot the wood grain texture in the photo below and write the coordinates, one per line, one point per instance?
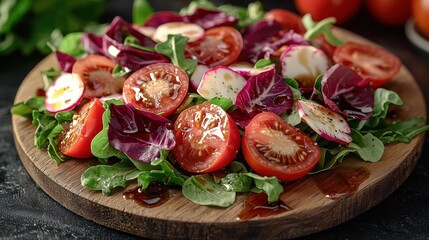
(180, 218)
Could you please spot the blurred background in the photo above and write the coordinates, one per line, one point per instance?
(26, 212)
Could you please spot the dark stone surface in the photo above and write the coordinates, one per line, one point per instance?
(26, 212)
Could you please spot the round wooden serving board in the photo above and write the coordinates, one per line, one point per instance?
(180, 218)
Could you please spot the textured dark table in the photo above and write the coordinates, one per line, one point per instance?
(26, 212)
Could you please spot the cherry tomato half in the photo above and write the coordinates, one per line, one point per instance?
(374, 64)
(220, 46)
(76, 140)
(158, 88)
(420, 11)
(207, 139)
(288, 20)
(391, 12)
(96, 73)
(342, 10)
(272, 147)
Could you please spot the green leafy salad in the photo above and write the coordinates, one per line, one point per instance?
(215, 101)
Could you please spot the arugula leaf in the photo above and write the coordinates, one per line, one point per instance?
(100, 146)
(26, 108)
(373, 149)
(270, 185)
(237, 182)
(142, 10)
(190, 9)
(315, 29)
(203, 190)
(108, 177)
(224, 103)
(174, 48)
(246, 16)
(71, 45)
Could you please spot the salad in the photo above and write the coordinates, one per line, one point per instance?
(215, 100)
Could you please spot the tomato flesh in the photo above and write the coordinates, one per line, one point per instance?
(158, 88)
(342, 10)
(86, 124)
(220, 46)
(96, 73)
(272, 147)
(372, 63)
(207, 139)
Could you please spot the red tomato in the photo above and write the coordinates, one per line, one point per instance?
(158, 88)
(207, 139)
(220, 46)
(420, 10)
(96, 73)
(289, 20)
(76, 140)
(374, 64)
(272, 147)
(391, 12)
(342, 10)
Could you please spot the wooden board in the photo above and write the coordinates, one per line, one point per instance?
(179, 218)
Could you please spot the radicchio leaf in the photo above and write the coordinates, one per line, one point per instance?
(210, 18)
(119, 28)
(92, 43)
(264, 38)
(112, 46)
(345, 92)
(264, 92)
(159, 18)
(65, 61)
(135, 59)
(140, 135)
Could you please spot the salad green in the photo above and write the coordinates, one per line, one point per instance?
(339, 92)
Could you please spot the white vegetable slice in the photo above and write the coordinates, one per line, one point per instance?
(190, 30)
(304, 64)
(221, 82)
(325, 122)
(198, 75)
(65, 93)
(248, 70)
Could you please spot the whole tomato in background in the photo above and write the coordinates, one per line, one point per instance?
(342, 10)
(420, 11)
(390, 12)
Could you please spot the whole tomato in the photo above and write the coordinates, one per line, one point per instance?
(420, 11)
(390, 12)
(342, 10)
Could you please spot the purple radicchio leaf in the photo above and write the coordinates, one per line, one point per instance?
(162, 17)
(264, 38)
(135, 59)
(111, 45)
(345, 92)
(92, 43)
(119, 28)
(210, 18)
(65, 61)
(140, 135)
(264, 92)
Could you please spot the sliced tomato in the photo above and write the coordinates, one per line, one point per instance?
(220, 46)
(75, 141)
(96, 73)
(342, 10)
(288, 20)
(207, 139)
(374, 64)
(272, 147)
(158, 88)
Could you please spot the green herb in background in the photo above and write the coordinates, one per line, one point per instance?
(27, 25)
